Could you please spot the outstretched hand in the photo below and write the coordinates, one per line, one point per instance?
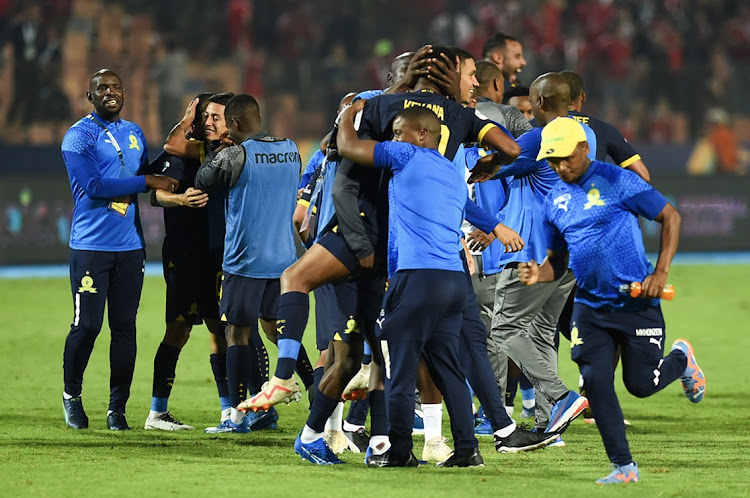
(486, 168)
(509, 238)
(194, 198)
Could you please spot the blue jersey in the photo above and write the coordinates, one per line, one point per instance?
(427, 195)
(596, 220)
(259, 240)
(492, 197)
(524, 211)
(322, 201)
(105, 212)
(312, 164)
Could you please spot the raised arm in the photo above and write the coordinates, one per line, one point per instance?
(348, 144)
(177, 142)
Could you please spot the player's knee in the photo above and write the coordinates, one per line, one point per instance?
(291, 280)
(177, 334)
(641, 388)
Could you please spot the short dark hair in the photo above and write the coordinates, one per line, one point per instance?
(241, 105)
(516, 91)
(486, 72)
(221, 98)
(500, 40)
(203, 99)
(461, 53)
(423, 116)
(575, 82)
(438, 50)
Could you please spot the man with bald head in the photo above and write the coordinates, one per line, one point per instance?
(524, 323)
(260, 175)
(103, 155)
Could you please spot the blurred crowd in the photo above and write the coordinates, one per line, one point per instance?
(655, 68)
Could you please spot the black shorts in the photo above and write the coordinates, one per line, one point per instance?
(245, 299)
(193, 280)
(641, 334)
(334, 242)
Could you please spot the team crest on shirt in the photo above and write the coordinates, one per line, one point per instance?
(87, 285)
(133, 142)
(562, 202)
(593, 198)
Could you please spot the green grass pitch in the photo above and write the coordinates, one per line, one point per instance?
(682, 449)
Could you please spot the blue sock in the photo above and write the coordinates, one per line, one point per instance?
(317, 375)
(527, 394)
(321, 409)
(378, 417)
(225, 403)
(291, 322)
(159, 404)
(367, 355)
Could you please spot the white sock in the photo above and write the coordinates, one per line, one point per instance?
(529, 403)
(506, 431)
(308, 435)
(509, 410)
(433, 420)
(67, 396)
(351, 427)
(380, 444)
(334, 421)
(236, 416)
(225, 414)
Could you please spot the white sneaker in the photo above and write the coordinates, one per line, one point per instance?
(336, 441)
(436, 450)
(165, 422)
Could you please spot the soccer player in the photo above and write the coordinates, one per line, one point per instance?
(506, 53)
(525, 318)
(102, 154)
(490, 100)
(261, 175)
(518, 97)
(191, 258)
(427, 200)
(609, 140)
(600, 201)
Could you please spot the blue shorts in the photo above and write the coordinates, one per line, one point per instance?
(244, 299)
(193, 280)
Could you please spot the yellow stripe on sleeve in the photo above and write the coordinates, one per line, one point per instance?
(484, 131)
(630, 161)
